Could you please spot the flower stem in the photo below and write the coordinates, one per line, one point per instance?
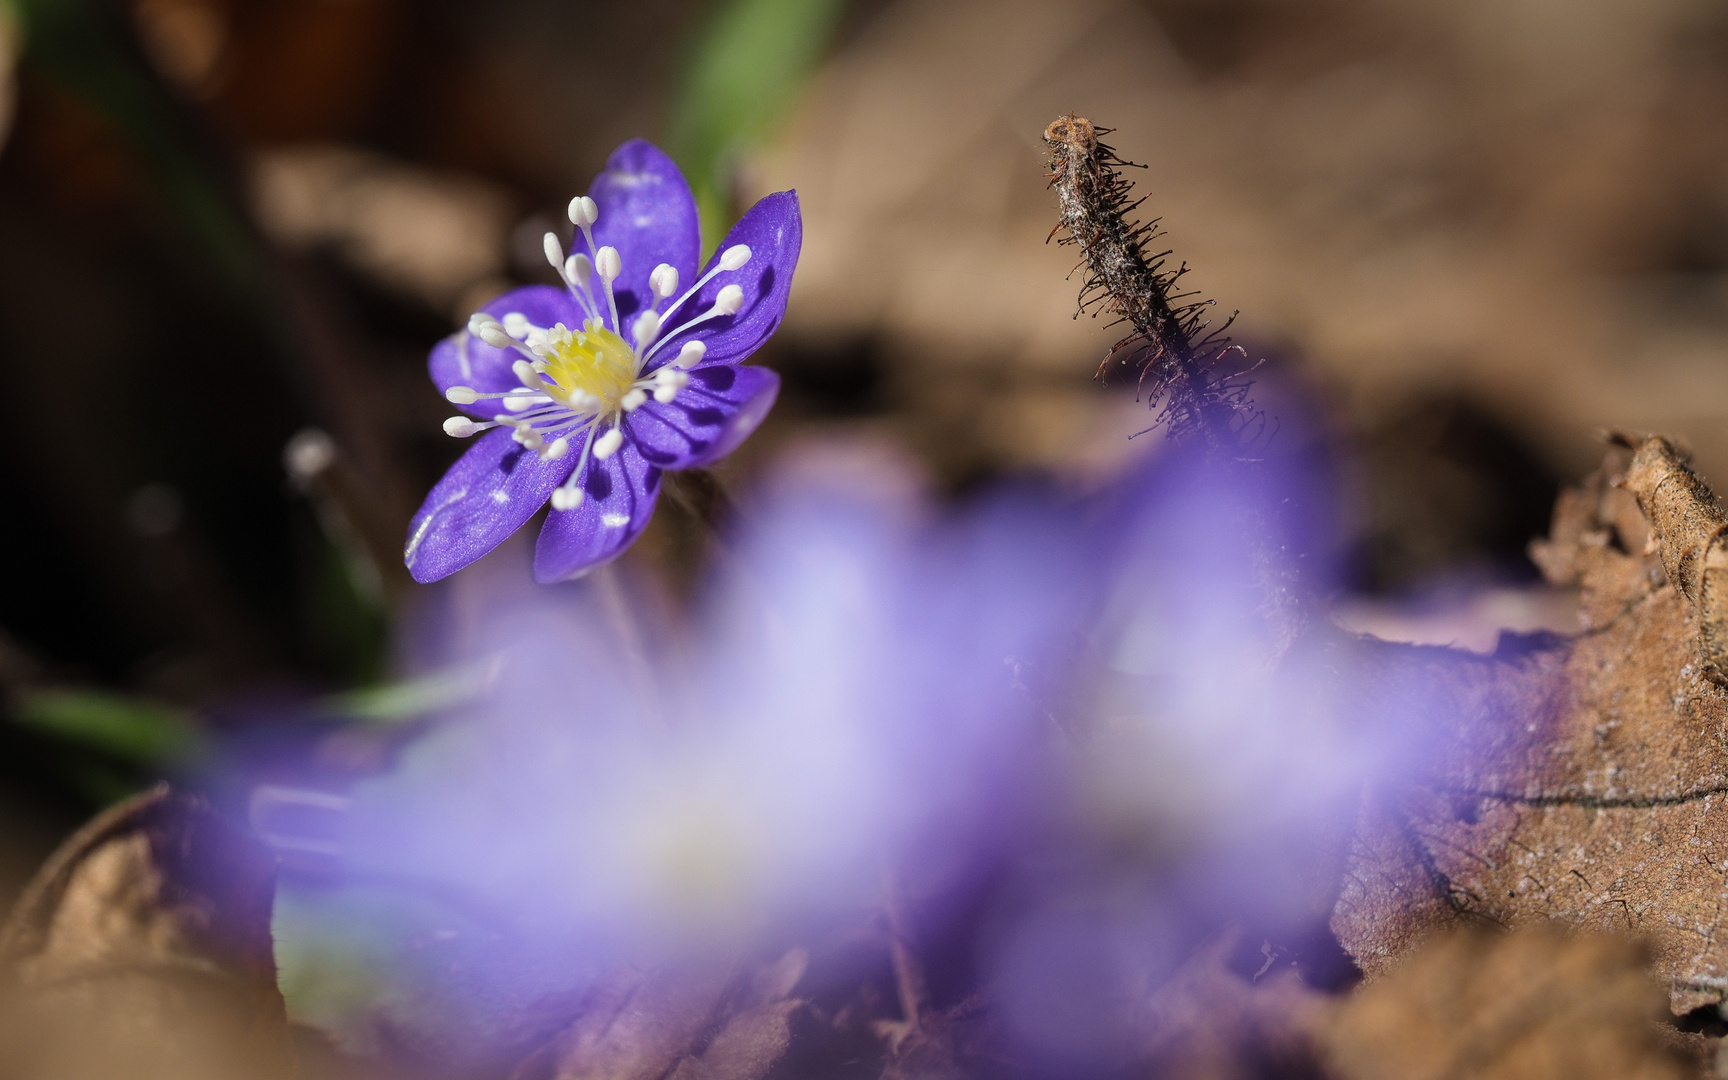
(699, 493)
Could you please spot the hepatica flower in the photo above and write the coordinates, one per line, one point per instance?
(583, 396)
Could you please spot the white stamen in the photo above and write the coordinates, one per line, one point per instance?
(528, 437)
(560, 446)
(579, 270)
(461, 395)
(460, 427)
(495, 336)
(583, 212)
(671, 375)
(607, 445)
(567, 498)
(735, 256)
(730, 300)
(517, 325)
(646, 330)
(664, 280)
(608, 264)
(479, 321)
(633, 400)
(554, 251)
(665, 392)
(525, 372)
(691, 354)
(522, 401)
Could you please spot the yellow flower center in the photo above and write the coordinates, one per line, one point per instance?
(592, 361)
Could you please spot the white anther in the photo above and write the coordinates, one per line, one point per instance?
(520, 400)
(691, 354)
(461, 395)
(664, 280)
(730, 300)
(528, 437)
(633, 400)
(495, 336)
(479, 321)
(517, 325)
(665, 392)
(607, 445)
(525, 372)
(554, 251)
(607, 264)
(559, 447)
(460, 427)
(735, 256)
(579, 271)
(308, 453)
(671, 375)
(583, 212)
(647, 328)
(567, 498)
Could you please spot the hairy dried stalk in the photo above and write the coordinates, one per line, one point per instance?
(1178, 358)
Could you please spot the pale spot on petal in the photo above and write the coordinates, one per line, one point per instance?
(615, 521)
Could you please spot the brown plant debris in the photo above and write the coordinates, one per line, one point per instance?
(1209, 1023)
(1526, 1006)
(1575, 782)
(709, 1019)
(143, 949)
(1689, 529)
(1179, 360)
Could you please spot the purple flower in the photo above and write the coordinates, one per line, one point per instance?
(583, 396)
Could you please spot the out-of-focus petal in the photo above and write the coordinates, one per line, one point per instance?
(774, 230)
(708, 419)
(489, 493)
(464, 360)
(649, 215)
(620, 494)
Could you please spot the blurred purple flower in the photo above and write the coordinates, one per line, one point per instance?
(574, 409)
(1069, 728)
(848, 695)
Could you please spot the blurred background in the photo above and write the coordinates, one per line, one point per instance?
(1465, 236)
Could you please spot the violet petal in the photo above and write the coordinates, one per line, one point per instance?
(619, 499)
(489, 493)
(649, 215)
(774, 230)
(722, 405)
(464, 360)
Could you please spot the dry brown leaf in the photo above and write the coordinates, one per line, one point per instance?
(143, 949)
(1576, 780)
(1526, 1006)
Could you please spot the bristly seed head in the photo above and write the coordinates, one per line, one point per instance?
(1177, 357)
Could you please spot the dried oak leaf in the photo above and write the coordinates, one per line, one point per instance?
(143, 949)
(1530, 1005)
(1576, 782)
